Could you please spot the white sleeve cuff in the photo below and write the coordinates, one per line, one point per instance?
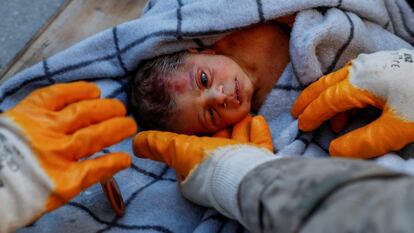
(24, 186)
(215, 182)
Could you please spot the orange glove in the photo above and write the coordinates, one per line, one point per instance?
(384, 80)
(46, 134)
(249, 130)
(184, 153)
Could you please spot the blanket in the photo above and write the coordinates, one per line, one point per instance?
(325, 35)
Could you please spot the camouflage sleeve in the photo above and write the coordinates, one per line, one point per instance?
(326, 195)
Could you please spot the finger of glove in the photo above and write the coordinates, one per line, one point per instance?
(155, 145)
(335, 99)
(339, 121)
(224, 133)
(387, 133)
(82, 175)
(57, 96)
(94, 138)
(177, 150)
(88, 112)
(313, 91)
(181, 152)
(102, 168)
(260, 133)
(241, 130)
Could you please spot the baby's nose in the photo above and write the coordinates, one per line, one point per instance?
(218, 97)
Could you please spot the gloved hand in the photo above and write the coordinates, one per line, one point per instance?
(251, 129)
(384, 80)
(44, 136)
(210, 168)
(184, 153)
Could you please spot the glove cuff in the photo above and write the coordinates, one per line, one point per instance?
(24, 187)
(215, 182)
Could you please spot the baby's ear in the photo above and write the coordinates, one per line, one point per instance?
(202, 50)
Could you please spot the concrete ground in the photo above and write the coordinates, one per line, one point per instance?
(20, 20)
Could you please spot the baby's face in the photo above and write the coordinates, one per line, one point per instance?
(211, 93)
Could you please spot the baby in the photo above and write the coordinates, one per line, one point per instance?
(200, 92)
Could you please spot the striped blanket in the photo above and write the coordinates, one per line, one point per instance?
(325, 35)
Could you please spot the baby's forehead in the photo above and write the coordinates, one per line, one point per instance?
(188, 61)
(192, 58)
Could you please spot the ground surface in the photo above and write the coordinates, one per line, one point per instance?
(21, 19)
(33, 30)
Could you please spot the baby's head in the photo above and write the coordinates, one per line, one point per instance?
(191, 93)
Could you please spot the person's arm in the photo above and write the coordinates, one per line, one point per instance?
(211, 168)
(326, 195)
(266, 193)
(42, 140)
(296, 194)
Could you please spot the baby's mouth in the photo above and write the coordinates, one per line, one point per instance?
(237, 91)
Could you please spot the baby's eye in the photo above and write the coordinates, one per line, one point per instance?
(204, 79)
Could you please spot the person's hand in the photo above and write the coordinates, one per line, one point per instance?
(184, 153)
(251, 129)
(384, 80)
(62, 124)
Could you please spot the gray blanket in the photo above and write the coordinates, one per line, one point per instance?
(326, 34)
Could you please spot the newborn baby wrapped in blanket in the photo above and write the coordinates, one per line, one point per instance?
(325, 35)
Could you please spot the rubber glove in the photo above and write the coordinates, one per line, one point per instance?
(252, 129)
(42, 140)
(210, 168)
(384, 80)
(184, 153)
